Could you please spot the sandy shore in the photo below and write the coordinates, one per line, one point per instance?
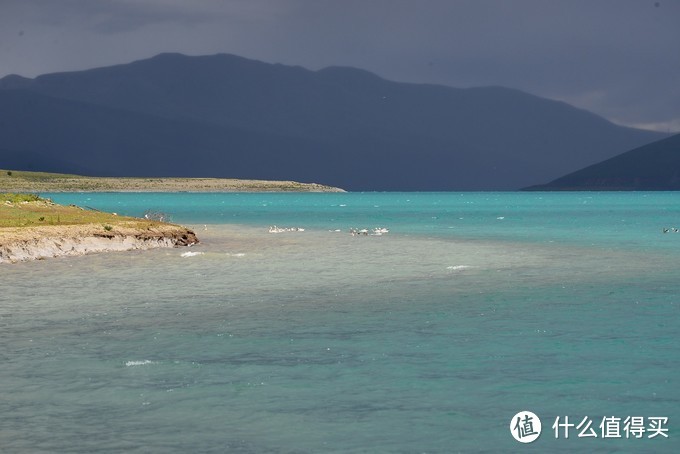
(35, 243)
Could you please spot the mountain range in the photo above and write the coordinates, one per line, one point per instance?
(227, 116)
(652, 167)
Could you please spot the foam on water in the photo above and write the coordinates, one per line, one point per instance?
(191, 254)
(459, 267)
(139, 363)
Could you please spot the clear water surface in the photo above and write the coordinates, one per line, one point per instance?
(427, 339)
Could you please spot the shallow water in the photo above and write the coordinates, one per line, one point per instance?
(426, 339)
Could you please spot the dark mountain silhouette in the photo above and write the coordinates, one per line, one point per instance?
(652, 167)
(226, 116)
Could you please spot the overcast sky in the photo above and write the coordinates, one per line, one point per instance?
(617, 58)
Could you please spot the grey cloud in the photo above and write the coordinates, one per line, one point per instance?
(618, 58)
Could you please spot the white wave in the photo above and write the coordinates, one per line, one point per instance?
(139, 363)
(191, 254)
(459, 267)
(238, 254)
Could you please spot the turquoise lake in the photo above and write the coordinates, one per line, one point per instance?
(427, 339)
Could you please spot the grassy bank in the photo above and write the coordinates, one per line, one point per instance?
(20, 181)
(34, 228)
(28, 210)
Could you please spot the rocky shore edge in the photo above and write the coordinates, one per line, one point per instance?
(37, 243)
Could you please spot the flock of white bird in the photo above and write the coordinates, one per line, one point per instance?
(353, 231)
(275, 229)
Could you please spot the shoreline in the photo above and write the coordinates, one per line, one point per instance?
(19, 244)
(23, 181)
(33, 228)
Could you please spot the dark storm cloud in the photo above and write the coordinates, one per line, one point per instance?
(105, 16)
(618, 58)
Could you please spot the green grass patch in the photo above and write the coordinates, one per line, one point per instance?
(29, 210)
(18, 198)
(35, 176)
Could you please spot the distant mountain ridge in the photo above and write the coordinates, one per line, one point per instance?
(227, 116)
(652, 167)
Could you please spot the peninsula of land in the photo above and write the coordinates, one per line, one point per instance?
(21, 181)
(32, 228)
